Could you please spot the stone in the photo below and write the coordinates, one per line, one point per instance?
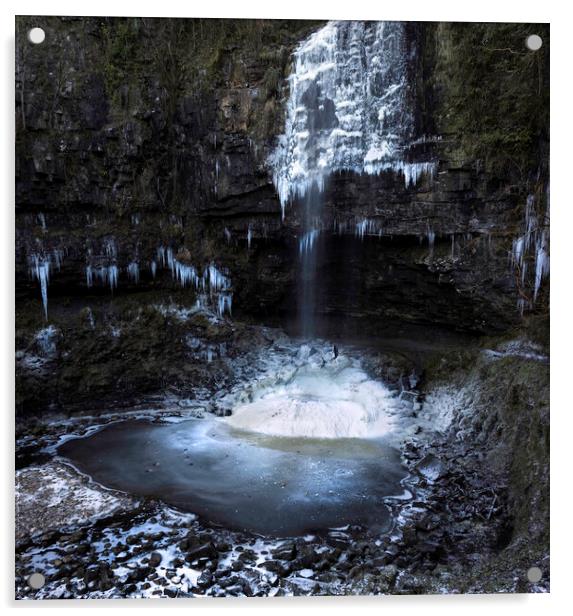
(431, 468)
(205, 550)
(155, 559)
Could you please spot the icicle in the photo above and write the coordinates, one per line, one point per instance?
(133, 271)
(113, 274)
(224, 304)
(186, 275)
(367, 227)
(161, 255)
(170, 261)
(153, 267)
(361, 228)
(517, 251)
(217, 281)
(541, 264)
(40, 270)
(249, 236)
(105, 274)
(58, 258)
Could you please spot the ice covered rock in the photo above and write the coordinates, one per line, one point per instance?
(349, 108)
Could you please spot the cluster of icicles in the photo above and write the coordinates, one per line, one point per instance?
(530, 253)
(362, 228)
(217, 284)
(213, 286)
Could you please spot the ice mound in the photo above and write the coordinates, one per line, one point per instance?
(334, 399)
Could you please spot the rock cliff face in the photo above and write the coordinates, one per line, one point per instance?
(140, 134)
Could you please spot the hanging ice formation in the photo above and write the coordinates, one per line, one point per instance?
(105, 274)
(367, 226)
(349, 108)
(40, 270)
(212, 281)
(133, 271)
(108, 273)
(39, 266)
(531, 249)
(541, 263)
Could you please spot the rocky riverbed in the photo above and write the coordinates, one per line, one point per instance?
(462, 523)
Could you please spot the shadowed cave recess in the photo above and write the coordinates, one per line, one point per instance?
(282, 290)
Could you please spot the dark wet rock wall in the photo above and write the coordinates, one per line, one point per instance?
(137, 133)
(156, 132)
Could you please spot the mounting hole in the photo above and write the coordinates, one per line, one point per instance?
(36, 581)
(533, 42)
(36, 36)
(534, 575)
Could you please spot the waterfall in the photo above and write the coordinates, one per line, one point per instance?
(349, 109)
(308, 251)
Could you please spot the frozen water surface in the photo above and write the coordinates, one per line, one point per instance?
(268, 485)
(304, 450)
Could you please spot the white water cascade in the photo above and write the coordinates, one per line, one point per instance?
(349, 108)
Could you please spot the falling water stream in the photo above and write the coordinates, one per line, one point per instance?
(349, 109)
(309, 244)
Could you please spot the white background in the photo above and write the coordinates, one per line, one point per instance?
(553, 11)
